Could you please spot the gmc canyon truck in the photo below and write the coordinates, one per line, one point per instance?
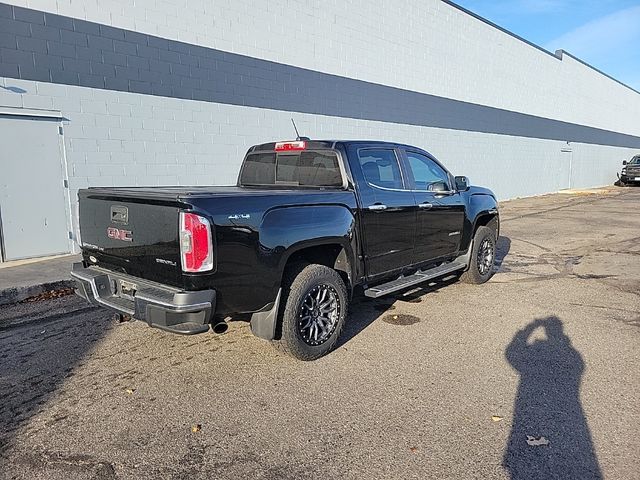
(630, 172)
(308, 225)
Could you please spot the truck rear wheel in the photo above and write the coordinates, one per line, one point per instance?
(314, 312)
(483, 257)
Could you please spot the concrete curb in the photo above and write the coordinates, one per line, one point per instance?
(17, 294)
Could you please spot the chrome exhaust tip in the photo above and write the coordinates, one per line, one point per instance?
(220, 327)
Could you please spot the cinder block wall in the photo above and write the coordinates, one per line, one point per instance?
(174, 92)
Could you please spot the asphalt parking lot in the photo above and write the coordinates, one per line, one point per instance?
(449, 381)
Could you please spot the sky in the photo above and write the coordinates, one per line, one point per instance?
(603, 33)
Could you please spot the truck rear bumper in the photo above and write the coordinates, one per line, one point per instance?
(158, 305)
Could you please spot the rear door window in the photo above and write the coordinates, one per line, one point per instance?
(381, 168)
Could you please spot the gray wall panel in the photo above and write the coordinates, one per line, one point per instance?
(34, 207)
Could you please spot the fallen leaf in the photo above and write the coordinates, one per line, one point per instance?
(537, 441)
(49, 295)
(130, 391)
(413, 449)
(496, 418)
(196, 428)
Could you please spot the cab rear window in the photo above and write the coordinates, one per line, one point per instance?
(305, 169)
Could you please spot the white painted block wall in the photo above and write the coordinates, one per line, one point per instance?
(125, 139)
(426, 46)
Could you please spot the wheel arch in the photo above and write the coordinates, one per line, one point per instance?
(328, 252)
(489, 218)
(482, 211)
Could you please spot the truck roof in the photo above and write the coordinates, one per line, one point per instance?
(311, 144)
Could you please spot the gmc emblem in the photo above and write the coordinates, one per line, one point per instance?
(117, 234)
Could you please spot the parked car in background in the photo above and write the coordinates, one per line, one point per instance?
(630, 172)
(308, 225)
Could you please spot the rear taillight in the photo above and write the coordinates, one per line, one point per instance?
(196, 244)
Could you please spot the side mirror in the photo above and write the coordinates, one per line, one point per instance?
(438, 187)
(462, 183)
(624, 162)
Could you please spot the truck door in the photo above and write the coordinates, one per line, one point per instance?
(440, 212)
(388, 211)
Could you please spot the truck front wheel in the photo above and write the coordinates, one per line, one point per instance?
(483, 256)
(314, 311)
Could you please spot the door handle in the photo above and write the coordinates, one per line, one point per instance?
(377, 207)
(425, 206)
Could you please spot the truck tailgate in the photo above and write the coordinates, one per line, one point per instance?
(129, 232)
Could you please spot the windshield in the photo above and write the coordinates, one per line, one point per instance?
(305, 169)
(635, 161)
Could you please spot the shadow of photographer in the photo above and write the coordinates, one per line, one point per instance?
(548, 408)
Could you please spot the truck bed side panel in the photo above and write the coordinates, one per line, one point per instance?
(255, 237)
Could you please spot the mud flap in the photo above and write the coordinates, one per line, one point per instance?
(263, 324)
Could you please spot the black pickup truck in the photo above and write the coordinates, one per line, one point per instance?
(308, 225)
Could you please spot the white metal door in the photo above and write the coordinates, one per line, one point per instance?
(33, 205)
(566, 166)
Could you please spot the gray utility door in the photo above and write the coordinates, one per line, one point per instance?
(566, 164)
(33, 205)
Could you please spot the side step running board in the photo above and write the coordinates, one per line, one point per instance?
(415, 279)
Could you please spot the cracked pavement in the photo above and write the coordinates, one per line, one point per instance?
(445, 381)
